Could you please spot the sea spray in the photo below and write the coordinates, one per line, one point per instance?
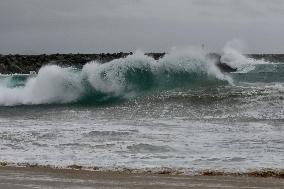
(53, 84)
(185, 116)
(235, 59)
(123, 78)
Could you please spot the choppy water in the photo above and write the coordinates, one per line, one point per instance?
(178, 112)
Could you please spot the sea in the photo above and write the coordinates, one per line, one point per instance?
(179, 113)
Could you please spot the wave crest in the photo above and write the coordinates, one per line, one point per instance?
(119, 79)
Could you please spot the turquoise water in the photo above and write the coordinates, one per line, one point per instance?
(179, 112)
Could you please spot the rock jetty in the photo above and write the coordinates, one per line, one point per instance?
(25, 63)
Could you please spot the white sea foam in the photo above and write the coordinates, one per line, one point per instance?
(231, 128)
(235, 59)
(54, 84)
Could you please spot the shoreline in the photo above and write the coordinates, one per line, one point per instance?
(263, 172)
(39, 177)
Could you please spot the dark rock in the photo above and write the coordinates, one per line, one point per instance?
(221, 65)
(25, 63)
(14, 68)
(225, 67)
(2, 68)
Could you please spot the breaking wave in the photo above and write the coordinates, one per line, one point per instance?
(119, 79)
(129, 77)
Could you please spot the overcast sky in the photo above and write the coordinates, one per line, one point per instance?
(93, 26)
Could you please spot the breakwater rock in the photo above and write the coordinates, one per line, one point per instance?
(25, 63)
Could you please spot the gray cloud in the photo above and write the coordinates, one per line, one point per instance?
(50, 26)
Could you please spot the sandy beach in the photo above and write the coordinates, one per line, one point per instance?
(141, 94)
(28, 178)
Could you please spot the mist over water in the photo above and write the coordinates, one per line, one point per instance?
(122, 78)
(178, 112)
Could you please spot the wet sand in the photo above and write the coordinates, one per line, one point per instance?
(28, 178)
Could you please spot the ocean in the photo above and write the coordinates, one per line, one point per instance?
(179, 113)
